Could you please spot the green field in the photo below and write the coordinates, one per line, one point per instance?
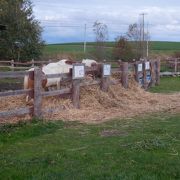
(167, 85)
(76, 49)
(135, 148)
(140, 148)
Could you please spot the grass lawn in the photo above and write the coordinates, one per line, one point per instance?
(167, 85)
(140, 148)
(76, 49)
(135, 148)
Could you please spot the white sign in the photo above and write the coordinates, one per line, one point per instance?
(106, 70)
(147, 65)
(140, 67)
(78, 71)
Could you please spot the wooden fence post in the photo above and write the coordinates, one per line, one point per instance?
(78, 73)
(104, 80)
(37, 92)
(175, 65)
(12, 65)
(153, 78)
(136, 72)
(157, 72)
(32, 63)
(145, 84)
(124, 78)
(76, 93)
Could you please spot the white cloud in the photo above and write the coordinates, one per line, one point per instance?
(163, 17)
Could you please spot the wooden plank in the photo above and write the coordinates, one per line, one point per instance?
(56, 93)
(37, 93)
(21, 68)
(105, 84)
(175, 66)
(63, 75)
(5, 62)
(16, 112)
(15, 93)
(104, 81)
(10, 74)
(136, 72)
(5, 67)
(145, 84)
(157, 72)
(23, 63)
(76, 93)
(169, 73)
(153, 75)
(124, 77)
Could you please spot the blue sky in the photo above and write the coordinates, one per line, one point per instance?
(64, 20)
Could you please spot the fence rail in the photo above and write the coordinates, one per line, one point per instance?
(169, 67)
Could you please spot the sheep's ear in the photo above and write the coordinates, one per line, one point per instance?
(70, 62)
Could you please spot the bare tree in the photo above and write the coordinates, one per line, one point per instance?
(123, 49)
(101, 32)
(135, 34)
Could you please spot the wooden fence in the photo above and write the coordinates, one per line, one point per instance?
(151, 68)
(22, 65)
(170, 67)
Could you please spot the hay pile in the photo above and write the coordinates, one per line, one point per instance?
(13, 103)
(97, 106)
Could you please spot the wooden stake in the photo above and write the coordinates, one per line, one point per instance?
(124, 78)
(76, 93)
(136, 72)
(37, 93)
(145, 84)
(104, 81)
(157, 72)
(153, 79)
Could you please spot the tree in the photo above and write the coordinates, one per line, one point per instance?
(22, 38)
(123, 49)
(101, 33)
(135, 35)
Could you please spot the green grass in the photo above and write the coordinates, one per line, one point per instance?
(167, 85)
(140, 148)
(76, 49)
(165, 46)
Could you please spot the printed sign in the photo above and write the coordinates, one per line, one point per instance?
(147, 65)
(148, 77)
(140, 67)
(106, 70)
(78, 71)
(140, 77)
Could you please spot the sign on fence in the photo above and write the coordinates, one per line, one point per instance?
(106, 70)
(140, 67)
(143, 74)
(147, 65)
(78, 71)
(148, 77)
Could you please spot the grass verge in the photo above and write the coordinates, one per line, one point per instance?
(167, 85)
(140, 148)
